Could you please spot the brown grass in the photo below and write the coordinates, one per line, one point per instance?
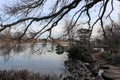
(24, 75)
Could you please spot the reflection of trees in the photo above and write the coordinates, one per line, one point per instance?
(8, 50)
(19, 48)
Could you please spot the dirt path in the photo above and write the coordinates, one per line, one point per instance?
(112, 73)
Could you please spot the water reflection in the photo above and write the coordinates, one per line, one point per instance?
(7, 50)
(33, 57)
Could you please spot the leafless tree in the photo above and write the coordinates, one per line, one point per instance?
(29, 12)
(112, 43)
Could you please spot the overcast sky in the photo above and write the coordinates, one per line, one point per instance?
(115, 12)
(59, 28)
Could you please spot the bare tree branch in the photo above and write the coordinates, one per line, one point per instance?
(33, 12)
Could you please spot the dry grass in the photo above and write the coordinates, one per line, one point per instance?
(24, 75)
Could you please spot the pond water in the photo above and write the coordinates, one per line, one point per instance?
(33, 58)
